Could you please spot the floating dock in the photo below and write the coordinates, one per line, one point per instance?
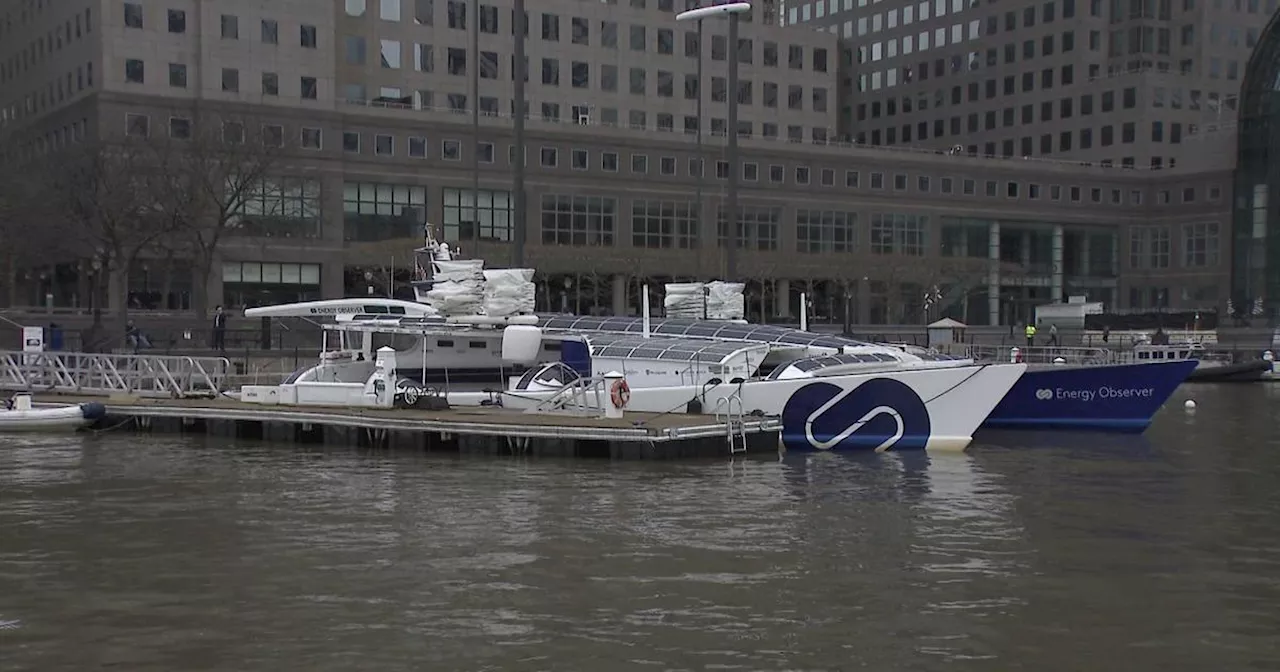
(473, 431)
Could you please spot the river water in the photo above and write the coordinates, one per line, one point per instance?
(1028, 552)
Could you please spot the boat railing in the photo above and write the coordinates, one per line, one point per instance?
(157, 376)
(581, 397)
(1036, 354)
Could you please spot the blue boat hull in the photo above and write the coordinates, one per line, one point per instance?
(1119, 397)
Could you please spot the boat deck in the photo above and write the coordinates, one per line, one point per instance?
(469, 429)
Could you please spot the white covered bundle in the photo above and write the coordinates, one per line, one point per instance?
(509, 291)
(457, 287)
(725, 301)
(685, 299)
(455, 298)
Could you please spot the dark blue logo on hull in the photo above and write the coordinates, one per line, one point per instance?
(879, 415)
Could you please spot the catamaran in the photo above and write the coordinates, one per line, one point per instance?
(472, 339)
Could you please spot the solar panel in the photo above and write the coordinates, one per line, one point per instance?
(686, 328)
(816, 363)
(665, 349)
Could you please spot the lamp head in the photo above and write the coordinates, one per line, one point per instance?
(714, 11)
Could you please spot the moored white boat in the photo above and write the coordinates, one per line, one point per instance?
(21, 416)
(476, 342)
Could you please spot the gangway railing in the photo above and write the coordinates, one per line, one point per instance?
(1036, 354)
(583, 397)
(160, 376)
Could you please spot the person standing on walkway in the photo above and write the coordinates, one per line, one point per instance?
(219, 329)
(1031, 334)
(1053, 335)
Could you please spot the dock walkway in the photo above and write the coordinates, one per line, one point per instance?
(471, 430)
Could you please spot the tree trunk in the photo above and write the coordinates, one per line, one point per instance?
(166, 283)
(200, 282)
(118, 293)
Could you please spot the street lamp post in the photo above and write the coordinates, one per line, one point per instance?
(732, 10)
(519, 235)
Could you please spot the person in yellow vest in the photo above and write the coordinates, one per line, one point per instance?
(1031, 334)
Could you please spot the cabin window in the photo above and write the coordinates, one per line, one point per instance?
(397, 310)
(477, 344)
(444, 343)
(1144, 355)
(551, 346)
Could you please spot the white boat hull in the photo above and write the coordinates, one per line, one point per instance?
(51, 419)
(933, 409)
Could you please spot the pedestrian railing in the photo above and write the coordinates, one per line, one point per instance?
(159, 376)
(1036, 354)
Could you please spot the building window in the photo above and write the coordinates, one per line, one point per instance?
(1149, 247)
(1200, 245)
(134, 71)
(898, 234)
(664, 224)
(376, 211)
(230, 27)
(178, 75)
(179, 128)
(351, 142)
(609, 161)
(548, 157)
(757, 227)
(579, 220)
(279, 208)
(356, 7)
(451, 150)
(384, 145)
(389, 10)
(232, 132)
(486, 217)
(273, 135)
(137, 125)
(308, 89)
(230, 80)
(311, 138)
(251, 283)
(177, 21)
(825, 231)
(133, 14)
(417, 147)
(270, 84)
(271, 31)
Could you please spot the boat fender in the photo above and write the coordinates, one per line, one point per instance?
(620, 393)
(93, 411)
(694, 407)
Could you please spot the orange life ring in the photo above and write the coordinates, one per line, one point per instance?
(620, 393)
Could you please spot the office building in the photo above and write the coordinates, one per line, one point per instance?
(1143, 83)
(376, 99)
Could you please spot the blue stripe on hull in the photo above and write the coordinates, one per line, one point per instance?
(1120, 398)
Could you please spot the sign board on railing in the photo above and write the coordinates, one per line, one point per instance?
(32, 341)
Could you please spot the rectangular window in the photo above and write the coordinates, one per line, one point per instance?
(478, 215)
(825, 231)
(230, 27)
(583, 221)
(664, 224)
(271, 32)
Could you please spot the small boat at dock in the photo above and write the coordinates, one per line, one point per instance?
(19, 415)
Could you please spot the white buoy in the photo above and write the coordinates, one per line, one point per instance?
(1189, 404)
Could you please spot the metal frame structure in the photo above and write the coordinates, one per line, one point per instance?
(1254, 288)
(155, 376)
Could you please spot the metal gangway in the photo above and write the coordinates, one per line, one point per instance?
(156, 376)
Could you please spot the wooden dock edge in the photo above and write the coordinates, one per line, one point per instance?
(515, 434)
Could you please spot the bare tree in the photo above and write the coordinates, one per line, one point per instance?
(102, 196)
(220, 172)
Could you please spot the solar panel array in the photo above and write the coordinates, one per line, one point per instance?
(752, 333)
(625, 346)
(814, 363)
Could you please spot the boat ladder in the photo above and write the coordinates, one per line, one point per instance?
(582, 397)
(729, 410)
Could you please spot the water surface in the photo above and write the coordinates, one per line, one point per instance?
(1029, 552)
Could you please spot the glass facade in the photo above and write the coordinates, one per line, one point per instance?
(1255, 268)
